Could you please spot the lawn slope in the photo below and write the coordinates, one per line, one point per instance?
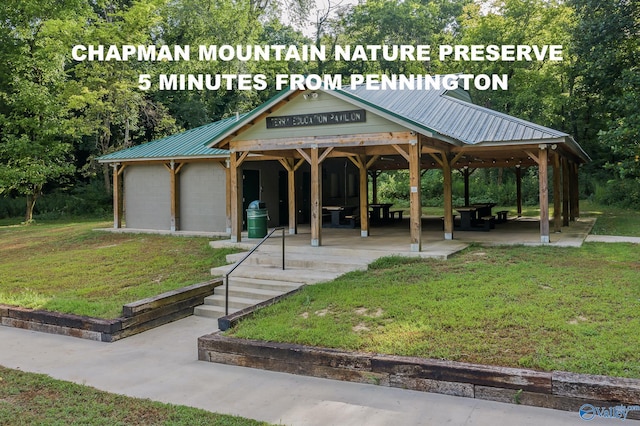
(67, 267)
(548, 308)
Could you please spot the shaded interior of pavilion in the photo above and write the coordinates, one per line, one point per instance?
(556, 166)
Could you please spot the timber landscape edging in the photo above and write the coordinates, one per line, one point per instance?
(558, 389)
(137, 317)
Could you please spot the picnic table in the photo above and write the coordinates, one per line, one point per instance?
(471, 218)
(338, 214)
(467, 218)
(484, 209)
(380, 212)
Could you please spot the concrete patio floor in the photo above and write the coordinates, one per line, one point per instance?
(393, 239)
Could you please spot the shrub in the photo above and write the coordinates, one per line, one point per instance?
(618, 193)
(84, 199)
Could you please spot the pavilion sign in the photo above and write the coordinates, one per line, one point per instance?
(317, 119)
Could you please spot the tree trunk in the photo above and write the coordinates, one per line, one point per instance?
(127, 142)
(31, 203)
(104, 143)
(107, 178)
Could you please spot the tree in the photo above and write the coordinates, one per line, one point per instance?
(395, 22)
(623, 132)
(607, 50)
(116, 113)
(36, 127)
(224, 22)
(538, 91)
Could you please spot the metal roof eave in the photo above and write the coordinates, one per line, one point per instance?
(578, 149)
(567, 140)
(163, 159)
(518, 142)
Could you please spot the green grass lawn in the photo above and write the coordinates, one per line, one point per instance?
(538, 307)
(548, 308)
(67, 267)
(35, 399)
(612, 220)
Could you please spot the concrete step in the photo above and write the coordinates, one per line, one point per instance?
(292, 275)
(273, 246)
(256, 283)
(211, 311)
(242, 296)
(321, 262)
(261, 276)
(234, 301)
(250, 292)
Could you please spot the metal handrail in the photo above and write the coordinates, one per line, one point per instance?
(226, 277)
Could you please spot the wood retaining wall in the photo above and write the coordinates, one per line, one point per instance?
(558, 390)
(136, 317)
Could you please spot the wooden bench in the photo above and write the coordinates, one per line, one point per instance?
(352, 219)
(394, 213)
(502, 216)
(488, 221)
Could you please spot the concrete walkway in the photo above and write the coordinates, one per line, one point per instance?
(162, 365)
(611, 239)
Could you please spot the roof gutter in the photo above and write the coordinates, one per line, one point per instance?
(567, 140)
(161, 159)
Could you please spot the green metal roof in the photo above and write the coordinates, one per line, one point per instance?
(448, 115)
(188, 144)
(452, 114)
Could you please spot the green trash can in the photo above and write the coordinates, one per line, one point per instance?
(257, 218)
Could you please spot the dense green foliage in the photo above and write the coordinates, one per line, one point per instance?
(58, 115)
(485, 185)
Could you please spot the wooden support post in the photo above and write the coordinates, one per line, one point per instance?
(227, 175)
(117, 204)
(544, 193)
(519, 189)
(291, 166)
(236, 197)
(466, 185)
(291, 196)
(174, 195)
(448, 197)
(364, 196)
(374, 186)
(565, 192)
(575, 192)
(316, 198)
(414, 195)
(557, 197)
